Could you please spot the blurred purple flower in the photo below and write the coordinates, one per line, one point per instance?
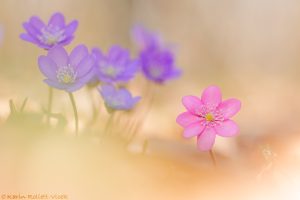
(116, 66)
(56, 32)
(117, 99)
(146, 39)
(67, 72)
(157, 61)
(158, 66)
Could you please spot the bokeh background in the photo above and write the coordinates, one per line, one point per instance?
(249, 48)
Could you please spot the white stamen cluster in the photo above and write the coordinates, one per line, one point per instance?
(110, 71)
(52, 35)
(66, 74)
(155, 71)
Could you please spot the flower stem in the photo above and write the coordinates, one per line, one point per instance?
(49, 108)
(213, 158)
(107, 129)
(75, 112)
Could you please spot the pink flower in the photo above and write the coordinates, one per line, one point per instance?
(208, 117)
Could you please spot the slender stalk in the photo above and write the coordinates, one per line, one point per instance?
(213, 158)
(145, 146)
(12, 107)
(23, 105)
(107, 129)
(49, 108)
(75, 112)
(150, 96)
(95, 109)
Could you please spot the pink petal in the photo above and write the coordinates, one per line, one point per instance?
(229, 107)
(47, 67)
(193, 130)
(211, 96)
(227, 128)
(206, 140)
(192, 104)
(186, 118)
(59, 55)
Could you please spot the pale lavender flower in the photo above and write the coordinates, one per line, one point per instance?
(146, 39)
(56, 32)
(67, 72)
(117, 99)
(116, 66)
(157, 61)
(158, 66)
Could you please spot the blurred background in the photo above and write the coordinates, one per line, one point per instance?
(249, 48)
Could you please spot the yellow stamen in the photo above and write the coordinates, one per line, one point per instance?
(67, 79)
(51, 40)
(209, 117)
(111, 71)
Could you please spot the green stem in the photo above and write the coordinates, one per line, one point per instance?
(49, 109)
(75, 112)
(109, 123)
(213, 158)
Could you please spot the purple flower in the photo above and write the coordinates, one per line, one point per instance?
(157, 61)
(67, 72)
(116, 66)
(117, 99)
(146, 39)
(158, 66)
(56, 32)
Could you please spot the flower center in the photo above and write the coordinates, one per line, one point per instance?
(209, 117)
(51, 35)
(110, 71)
(66, 74)
(155, 72)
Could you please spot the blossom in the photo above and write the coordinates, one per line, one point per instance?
(116, 66)
(158, 65)
(117, 99)
(208, 117)
(157, 61)
(67, 72)
(146, 39)
(56, 32)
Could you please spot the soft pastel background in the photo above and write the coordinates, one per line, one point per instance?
(249, 48)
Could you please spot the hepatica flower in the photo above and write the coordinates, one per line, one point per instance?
(146, 39)
(158, 65)
(56, 32)
(157, 61)
(116, 66)
(117, 99)
(209, 116)
(67, 72)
